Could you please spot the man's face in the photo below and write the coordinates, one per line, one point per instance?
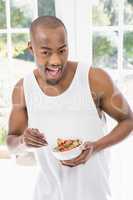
(50, 50)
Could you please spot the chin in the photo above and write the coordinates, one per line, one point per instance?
(52, 81)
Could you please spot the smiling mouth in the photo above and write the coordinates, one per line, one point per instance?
(53, 72)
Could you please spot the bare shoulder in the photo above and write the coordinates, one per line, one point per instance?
(18, 98)
(100, 82)
(100, 79)
(112, 100)
(97, 71)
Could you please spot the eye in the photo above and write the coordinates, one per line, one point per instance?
(45, 52)
(62, 51)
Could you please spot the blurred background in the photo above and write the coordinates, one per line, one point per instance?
(101, 33)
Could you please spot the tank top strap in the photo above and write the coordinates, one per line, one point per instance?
(83, 83)
(82, 71)
(31, 92)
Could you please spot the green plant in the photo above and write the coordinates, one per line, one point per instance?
(2, 14)
(3, 133)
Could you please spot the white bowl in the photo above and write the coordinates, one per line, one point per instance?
(68, 155)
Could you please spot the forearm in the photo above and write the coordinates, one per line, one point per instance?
(121, 131)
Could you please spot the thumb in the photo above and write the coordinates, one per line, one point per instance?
(87, 145)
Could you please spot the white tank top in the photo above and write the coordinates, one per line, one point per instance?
(72, 114)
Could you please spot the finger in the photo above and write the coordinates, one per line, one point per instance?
(68, 164)
(35, 132)
(86, 145)
(35, 136)
(32, 140)
(71, 164)
(34, 145)
(81, 159)
(78, 160)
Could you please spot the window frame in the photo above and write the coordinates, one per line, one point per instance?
(9, 30)
(83, 29)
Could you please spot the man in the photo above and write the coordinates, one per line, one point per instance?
(65, 99)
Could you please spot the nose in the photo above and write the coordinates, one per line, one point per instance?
(55, 59)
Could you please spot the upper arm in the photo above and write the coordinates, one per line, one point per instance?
(18, 115)
(112, 100)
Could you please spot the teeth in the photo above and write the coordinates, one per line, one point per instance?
(53, 69)
(52, 72)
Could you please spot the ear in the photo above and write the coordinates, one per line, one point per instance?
(30, 48)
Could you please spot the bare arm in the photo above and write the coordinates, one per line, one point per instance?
(19, 135)
(18, 117)
(109, 99)
(114, 104)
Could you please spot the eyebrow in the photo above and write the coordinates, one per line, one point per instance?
(47, 48)
(63, 46)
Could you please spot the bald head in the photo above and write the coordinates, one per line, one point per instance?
(46, 22)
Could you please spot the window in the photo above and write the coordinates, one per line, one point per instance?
(112, 30)
(15, 60)
(105, 33)
(114, 17)
(100, 32)
(15, 19)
